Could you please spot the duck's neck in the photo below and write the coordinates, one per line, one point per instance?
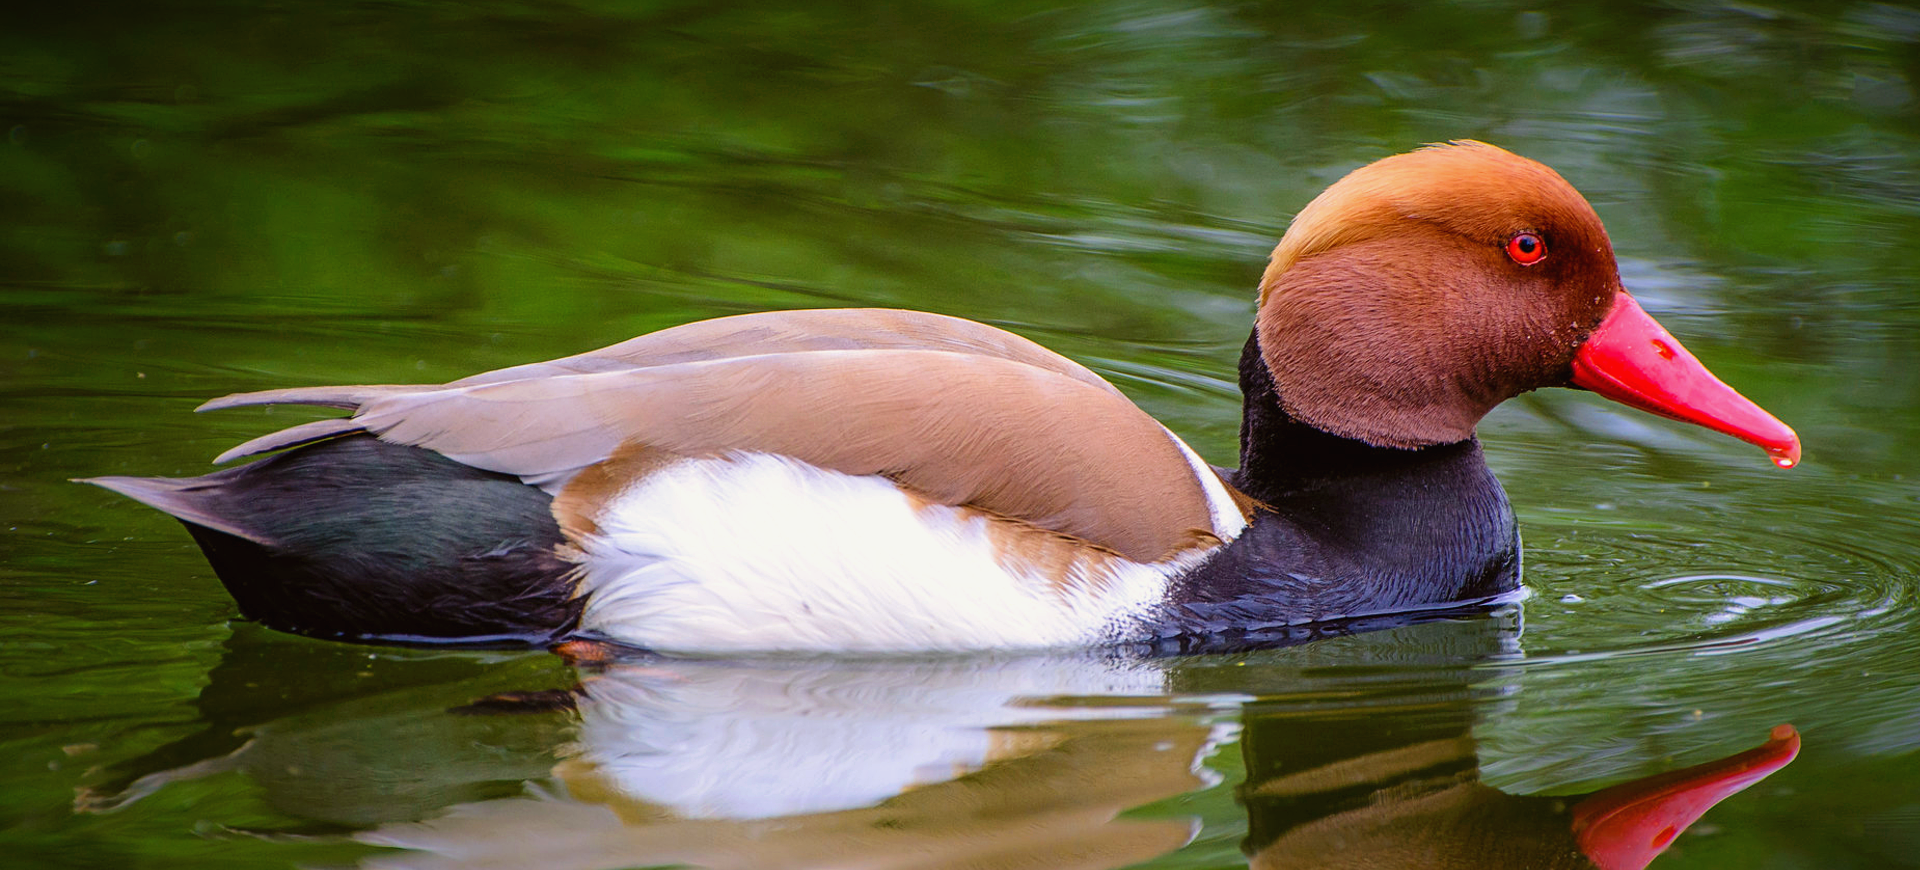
(1280, 455)
(1348, 529)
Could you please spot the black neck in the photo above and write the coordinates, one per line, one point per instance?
(1347, 529)
(1280, 456)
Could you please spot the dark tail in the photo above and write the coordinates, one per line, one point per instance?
(358, 539)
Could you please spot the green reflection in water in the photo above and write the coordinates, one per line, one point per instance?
(208, 198)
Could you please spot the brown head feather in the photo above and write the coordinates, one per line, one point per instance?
(1391, 313)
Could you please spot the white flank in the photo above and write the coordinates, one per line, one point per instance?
(1228, 521)
(757, 552)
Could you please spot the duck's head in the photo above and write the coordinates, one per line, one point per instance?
(1418, 292)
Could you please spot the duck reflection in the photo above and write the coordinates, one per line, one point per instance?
(1343, 791)
(1012, 763)
(1358, 751)
(339, 737)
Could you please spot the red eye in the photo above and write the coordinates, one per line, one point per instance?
(1527, 248)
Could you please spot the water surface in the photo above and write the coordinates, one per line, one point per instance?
(205, 198)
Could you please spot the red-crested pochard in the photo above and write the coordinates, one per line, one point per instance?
(880, 480)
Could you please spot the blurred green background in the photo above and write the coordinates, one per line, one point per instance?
(200, 198)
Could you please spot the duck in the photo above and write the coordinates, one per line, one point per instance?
(891, 481)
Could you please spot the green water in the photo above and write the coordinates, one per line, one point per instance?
(197, 199)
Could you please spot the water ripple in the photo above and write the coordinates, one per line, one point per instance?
(1807, 592)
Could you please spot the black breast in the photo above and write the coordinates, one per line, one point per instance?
(1348, 530)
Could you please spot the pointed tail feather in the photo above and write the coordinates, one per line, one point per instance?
(346, 397)
(292, 436)
(189, 499)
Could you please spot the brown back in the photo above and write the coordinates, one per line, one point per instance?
(958, 412)
(958, 429)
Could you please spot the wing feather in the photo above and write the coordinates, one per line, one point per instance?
(292, 436)
(347, 397)
(816, 329)
(960, 429)
(960, 412)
